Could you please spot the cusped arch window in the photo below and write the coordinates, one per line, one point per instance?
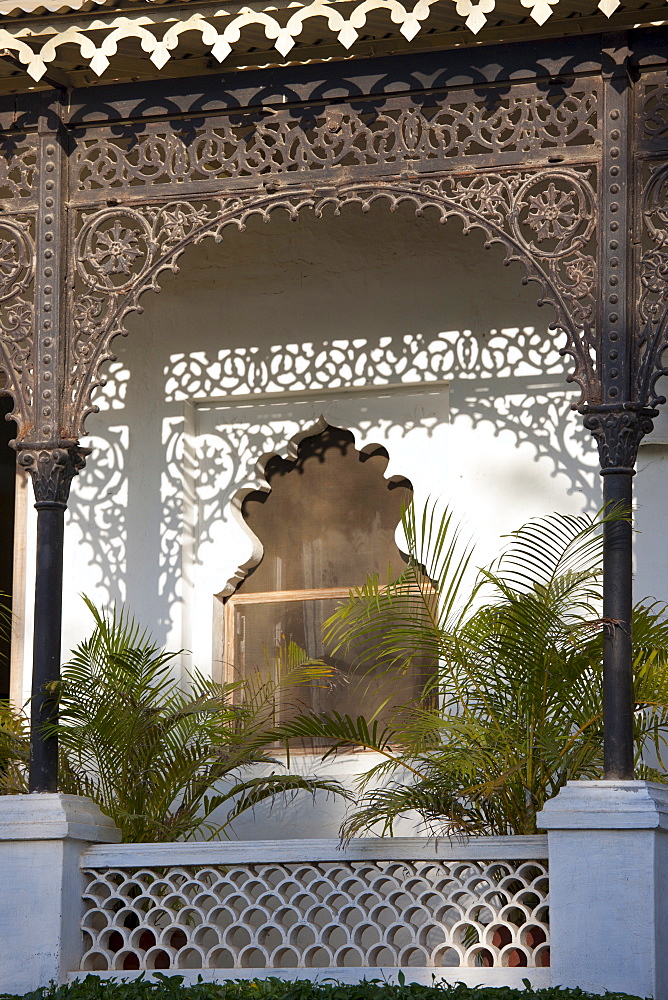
(328, 520)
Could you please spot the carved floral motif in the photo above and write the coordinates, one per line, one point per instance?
(551, 213)
(116, 250)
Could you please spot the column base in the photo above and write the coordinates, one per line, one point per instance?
(42, 837)
(608, 854)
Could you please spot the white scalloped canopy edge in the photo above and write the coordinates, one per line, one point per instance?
(221, 29)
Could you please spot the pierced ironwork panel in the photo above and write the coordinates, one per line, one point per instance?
(652, 119)
(17, 310)
(649, 226)
(510, 125)
(19, 156)
(652, 314)
(18, 166)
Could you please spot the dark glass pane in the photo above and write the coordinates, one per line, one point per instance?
(329, 520)
(353, 690)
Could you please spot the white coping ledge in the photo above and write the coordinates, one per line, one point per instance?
(45, 816)
(360, 849)
(607, 805)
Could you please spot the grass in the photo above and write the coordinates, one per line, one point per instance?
(172, 988)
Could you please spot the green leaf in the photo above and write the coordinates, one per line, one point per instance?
(514, 708)
(159, 758)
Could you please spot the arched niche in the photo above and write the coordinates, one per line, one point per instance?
(327, 520)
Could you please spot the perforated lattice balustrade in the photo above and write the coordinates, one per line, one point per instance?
(317, 914)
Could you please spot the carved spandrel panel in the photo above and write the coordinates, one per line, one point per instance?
(18, 183)
(545, 220)
(503, 125)
(650, 226)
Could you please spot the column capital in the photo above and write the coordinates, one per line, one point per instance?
(52, 466)
(618, 431)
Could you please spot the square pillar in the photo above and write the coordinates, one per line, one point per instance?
(42, 837)
(608, 851)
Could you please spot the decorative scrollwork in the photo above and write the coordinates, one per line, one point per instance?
(16, 332)
(15, 258)
(253, 144)
(654, 109)
(18, 167)
(652, 337)
(52, 469)
(121, 252)
(17, 312)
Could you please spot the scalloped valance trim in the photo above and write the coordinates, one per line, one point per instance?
(220, 29)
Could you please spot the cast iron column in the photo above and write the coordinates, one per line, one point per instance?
(51, 461)
(52, 469)
(617, 608)
(618, 434)
(46, 645)
(619, 420)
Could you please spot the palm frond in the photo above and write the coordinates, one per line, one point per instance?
(518, 675)
(393, 625)
(547, 548)
(154, 755)
(14, 750)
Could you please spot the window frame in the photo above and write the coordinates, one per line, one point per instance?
(266, 597)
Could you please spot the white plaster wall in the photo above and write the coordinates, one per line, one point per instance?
(651, 483)
(451, 368)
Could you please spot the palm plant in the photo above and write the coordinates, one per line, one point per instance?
(14, 750)
(14, 742)
(157, 759)
(513, 709)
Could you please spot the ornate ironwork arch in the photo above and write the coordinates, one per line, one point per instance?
(557, 160)
(545, 220)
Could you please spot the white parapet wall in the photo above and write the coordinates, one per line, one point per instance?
(463, 910)
(473, 910)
